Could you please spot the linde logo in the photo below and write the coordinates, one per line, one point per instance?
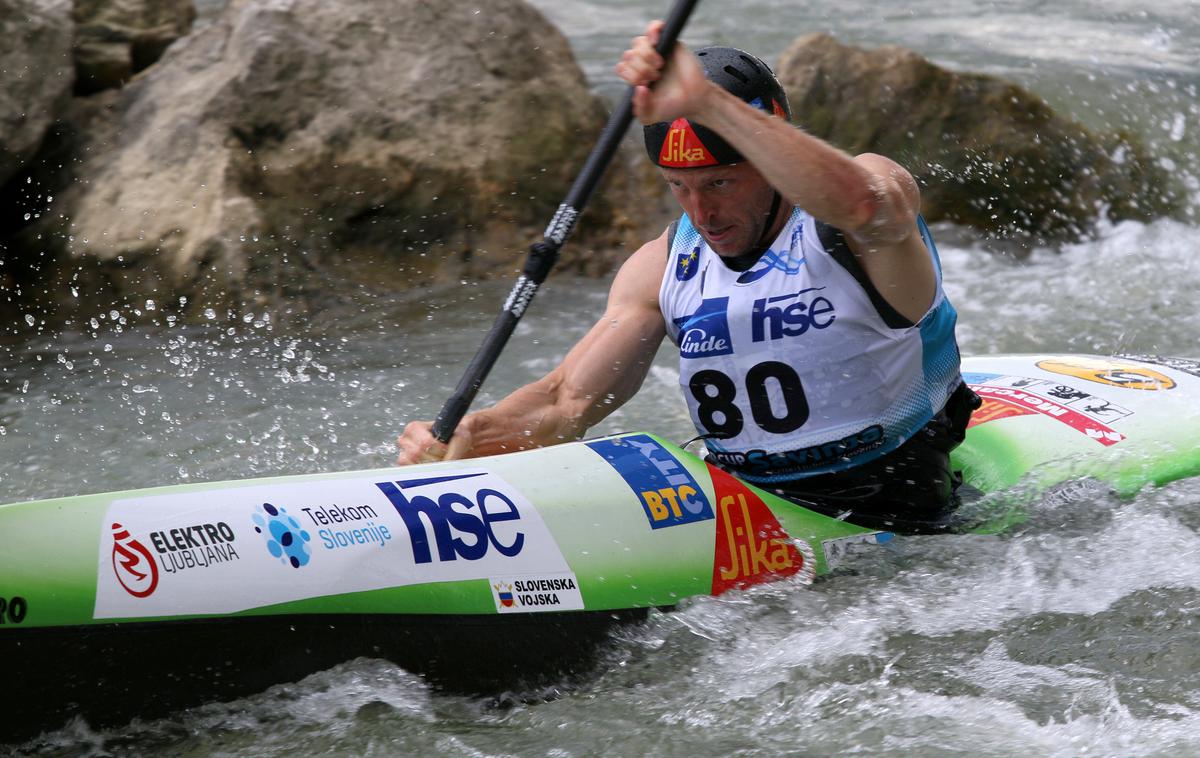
(464, 523)
(705, 333)
(133, 564)
(774, 318)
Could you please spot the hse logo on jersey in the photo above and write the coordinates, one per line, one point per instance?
(751, 547)
(1113, 373)
(668, 493)
(465, 522)
(705, 333)
(774, 318)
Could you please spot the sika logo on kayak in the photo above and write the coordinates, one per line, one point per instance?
(284, 537)
(133, 564)
(668, 493)
(705, 333)
(751, 547)
(482, 516)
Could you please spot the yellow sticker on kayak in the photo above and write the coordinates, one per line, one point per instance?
(1130, 376)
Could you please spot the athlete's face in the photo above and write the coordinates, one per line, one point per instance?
(729, 205)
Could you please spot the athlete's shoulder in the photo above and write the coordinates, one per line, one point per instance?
(641, 275)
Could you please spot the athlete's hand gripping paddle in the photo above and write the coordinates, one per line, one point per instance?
(543, 254)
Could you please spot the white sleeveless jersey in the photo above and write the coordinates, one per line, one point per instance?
(789, 368)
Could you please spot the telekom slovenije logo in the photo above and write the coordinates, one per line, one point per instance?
(132, 563)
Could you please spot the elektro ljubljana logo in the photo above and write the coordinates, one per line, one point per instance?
(285, 539)
(132, 563)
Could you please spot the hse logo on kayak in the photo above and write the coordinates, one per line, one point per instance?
(751, 547)
(705, 333)
(668, 493)
(537, 594)
(774, 318)
(132, 564)
(1113, 373)
(464, 522)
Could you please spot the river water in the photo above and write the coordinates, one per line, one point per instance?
(1076, 633)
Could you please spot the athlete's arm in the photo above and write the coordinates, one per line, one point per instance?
(599, 374)
(870, 198)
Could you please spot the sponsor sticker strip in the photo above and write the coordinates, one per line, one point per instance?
(537, 593)
(224, 551)
(1020, 396)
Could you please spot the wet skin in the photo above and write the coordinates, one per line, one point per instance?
(728, 205)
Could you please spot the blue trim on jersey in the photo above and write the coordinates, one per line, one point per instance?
(927, 236)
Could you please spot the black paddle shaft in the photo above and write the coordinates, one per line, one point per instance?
(543, 254)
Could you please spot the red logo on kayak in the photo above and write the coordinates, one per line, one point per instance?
(752, 547)
(683, 149)
(993, 410)
(133, 564)
(1025, 401)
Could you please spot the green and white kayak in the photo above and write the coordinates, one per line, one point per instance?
(485, 573)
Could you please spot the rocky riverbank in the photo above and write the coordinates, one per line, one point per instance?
(293, 151)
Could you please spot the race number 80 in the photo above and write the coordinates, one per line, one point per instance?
(715, 393)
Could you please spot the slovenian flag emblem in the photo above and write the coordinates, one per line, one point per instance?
(505, 595)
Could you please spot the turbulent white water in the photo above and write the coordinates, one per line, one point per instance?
(1077, 633)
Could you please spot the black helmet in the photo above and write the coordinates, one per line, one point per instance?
(682, 144)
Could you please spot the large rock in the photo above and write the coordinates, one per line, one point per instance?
(295, 142)
(986, 152)
(35, 66)
(115, 39)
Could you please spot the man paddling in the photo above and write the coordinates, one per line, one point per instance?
(802, 288)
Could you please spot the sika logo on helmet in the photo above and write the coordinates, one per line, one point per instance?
(682, 144)
(683, 148)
